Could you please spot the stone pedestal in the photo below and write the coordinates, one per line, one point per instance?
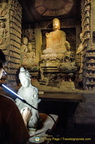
(53, 75)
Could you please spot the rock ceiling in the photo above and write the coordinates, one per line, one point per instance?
(40, 10)
(53, 7)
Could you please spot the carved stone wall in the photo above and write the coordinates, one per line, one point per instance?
(88, 27)
(88, 55)
(10, 43)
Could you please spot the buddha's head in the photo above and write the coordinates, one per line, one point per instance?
(4, 5)
(81, 36)
(24, 77)
(2, 25)
(25, 40)
(30, 46)
(56, 23)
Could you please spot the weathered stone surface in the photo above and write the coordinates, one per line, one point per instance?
(85, 113)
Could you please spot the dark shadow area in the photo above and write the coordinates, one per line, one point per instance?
(66, 130)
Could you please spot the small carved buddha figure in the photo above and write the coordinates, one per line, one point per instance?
(30, 93)
(79, 59)
(56, 42)
(24, 48)
(79, 53)
(3, 9)
(30, 55)
(27, 55)
(3, 32)
(80, 47)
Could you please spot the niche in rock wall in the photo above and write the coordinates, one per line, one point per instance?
(58, 67)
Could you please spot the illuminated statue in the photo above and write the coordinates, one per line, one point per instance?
(56, 42)
(30, 93)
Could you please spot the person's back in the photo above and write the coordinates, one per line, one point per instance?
(12, 127)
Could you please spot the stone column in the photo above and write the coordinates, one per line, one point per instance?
(38, 43)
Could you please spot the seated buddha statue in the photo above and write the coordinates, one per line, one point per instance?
(24, 48)
(56, 42)
(3, 8)
(28, 57)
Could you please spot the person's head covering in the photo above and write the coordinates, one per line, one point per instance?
(24, 73)
(2, 58)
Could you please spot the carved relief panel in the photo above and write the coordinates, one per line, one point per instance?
(10, 36)
(89, 50)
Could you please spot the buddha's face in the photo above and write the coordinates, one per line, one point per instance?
(30, 47)
(4, 4)
(1, 24)
(25, 82)
(81, 36)
(56, 24)
(25, 40)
